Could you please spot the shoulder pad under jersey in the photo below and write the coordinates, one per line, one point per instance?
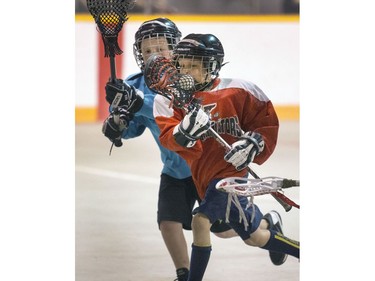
(134, 76)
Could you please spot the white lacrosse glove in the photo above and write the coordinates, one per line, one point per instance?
(244, 151)
(194, 124)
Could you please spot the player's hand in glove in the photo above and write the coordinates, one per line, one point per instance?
(244, 151)
(115, 124)
(194, 124)
(132, 99)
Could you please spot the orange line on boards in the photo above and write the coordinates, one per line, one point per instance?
(90, 114)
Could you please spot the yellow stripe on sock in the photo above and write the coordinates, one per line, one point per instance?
(286, 240)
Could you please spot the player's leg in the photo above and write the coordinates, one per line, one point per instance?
(211, 209)
(174, 214)
(201, 248)
(223, 230)
(175, 242)
(280, 243)
(277, 242)
(274, 222)
(269, 239)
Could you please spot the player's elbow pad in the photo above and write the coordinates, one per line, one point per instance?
(182, 138)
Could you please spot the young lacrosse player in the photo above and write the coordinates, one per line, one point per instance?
(177, 192)
(243, 116)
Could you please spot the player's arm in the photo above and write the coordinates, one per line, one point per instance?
(260, 117)
(133, 101)
(170, 122)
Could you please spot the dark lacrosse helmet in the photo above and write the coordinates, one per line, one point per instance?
(155, 28)
(205, 47)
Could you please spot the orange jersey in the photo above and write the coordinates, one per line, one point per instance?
(232, 105)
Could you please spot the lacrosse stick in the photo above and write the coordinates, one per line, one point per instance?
(279, 196)
(162, 77)
(109, 16)
(253, 187)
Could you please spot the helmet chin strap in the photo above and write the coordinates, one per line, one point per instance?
(208, 85)
(204, 86)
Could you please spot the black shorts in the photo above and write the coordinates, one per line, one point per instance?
(177, 198)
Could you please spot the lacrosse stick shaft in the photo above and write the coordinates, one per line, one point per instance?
(112, 64)
(115, 103)
(117, 142)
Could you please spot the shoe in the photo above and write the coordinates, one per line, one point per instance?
(275, 223)
(182, 274)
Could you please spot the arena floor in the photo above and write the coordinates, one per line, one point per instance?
(115, 243)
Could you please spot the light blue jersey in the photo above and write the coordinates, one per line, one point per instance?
(174, 165)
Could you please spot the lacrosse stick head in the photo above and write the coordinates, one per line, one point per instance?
(249, 187)
(163, 78)
(109, 16)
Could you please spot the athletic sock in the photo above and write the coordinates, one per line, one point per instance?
(182, 274)
(280, 243)
(199, 261)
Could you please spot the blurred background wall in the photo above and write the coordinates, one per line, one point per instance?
(260, 39)
(246, 7)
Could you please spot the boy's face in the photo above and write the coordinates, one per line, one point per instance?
(195, 68)
(155, 45)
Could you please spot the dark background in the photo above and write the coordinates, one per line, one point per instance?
(240, 7)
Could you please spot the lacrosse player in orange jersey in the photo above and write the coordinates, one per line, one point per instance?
(177, 192)
(230, 107)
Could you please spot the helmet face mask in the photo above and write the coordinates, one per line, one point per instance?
(196, 66)
(166, 35)
(201, 56)
(150, 45)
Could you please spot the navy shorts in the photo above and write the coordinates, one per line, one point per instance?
(177, 198)
(219, 226)
(214, 206)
